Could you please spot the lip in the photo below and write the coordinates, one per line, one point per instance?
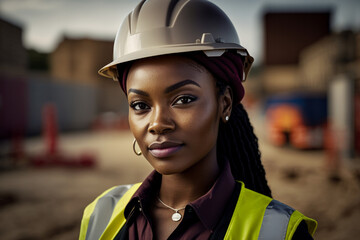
(164, 149)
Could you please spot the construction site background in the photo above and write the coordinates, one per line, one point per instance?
(64, 135)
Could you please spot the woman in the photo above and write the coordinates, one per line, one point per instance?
(181, 67)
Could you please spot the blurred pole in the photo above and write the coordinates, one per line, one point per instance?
(50, 128)
(341, 120)
(52, 155)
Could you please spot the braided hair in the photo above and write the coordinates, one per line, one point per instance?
(239, 145)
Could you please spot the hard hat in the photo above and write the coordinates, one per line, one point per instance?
(159, 27)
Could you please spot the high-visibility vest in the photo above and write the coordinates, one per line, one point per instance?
(255, 216)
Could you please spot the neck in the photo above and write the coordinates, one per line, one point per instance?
(177, 190)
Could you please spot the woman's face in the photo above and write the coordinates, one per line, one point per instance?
(174, 112)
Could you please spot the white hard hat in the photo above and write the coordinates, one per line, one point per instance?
(159, 27)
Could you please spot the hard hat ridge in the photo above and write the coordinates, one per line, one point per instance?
(165, 11)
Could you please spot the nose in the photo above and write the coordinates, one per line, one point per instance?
(161, 122)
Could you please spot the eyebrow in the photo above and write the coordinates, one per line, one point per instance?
(180, 84)
(168, 89)
(138, 92)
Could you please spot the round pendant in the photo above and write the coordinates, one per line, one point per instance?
(176, 217)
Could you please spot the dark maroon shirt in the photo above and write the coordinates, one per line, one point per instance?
(200, 217)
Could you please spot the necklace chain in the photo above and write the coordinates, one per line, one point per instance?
(176, 216)
(174, 209)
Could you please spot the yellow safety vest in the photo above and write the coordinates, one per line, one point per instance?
(255, 216)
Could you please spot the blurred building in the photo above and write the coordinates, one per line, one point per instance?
(303, 57)
(13, 63)
(337, 53)
(332, 65)
(78, 60)
(13, 57)
(79, 95)
(286, 35)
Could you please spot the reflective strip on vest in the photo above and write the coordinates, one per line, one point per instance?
(103, 211)
(275, 221)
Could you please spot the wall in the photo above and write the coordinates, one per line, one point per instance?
(13, 57)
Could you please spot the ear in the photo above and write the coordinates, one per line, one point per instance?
(226, 101)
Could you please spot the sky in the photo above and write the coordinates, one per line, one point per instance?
(45, 22)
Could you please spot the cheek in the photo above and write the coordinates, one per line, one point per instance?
(202, 122)
(137, 127)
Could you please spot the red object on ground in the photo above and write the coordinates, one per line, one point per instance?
(50, 128)
(52, 155)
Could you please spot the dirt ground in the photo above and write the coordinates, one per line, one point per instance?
(47, 202)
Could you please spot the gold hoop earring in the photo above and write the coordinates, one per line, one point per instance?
(138, 153)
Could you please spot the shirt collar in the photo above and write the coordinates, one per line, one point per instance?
(209, 208)
(141, 198)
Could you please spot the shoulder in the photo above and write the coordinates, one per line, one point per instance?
(116, 192)
(275, 217)
(107, 205)
(112, 194)
(283, 218)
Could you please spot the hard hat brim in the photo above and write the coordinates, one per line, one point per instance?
(110, 70)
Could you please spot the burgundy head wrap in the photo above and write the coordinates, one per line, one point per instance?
(227, 68)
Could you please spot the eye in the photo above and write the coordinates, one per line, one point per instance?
(184, 100)
(139, 106)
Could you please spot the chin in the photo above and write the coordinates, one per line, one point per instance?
(168, 169)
